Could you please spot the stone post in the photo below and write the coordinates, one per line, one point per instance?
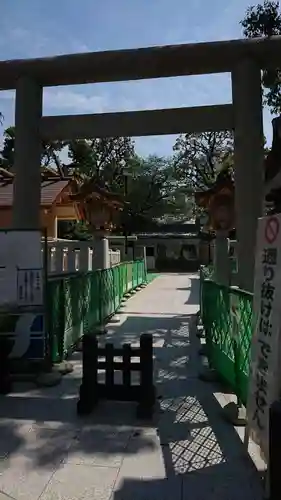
(84, 256)
(130, 254)
(249, 165)
(101, 253)
(55, 228)
(27, 183)
(59, 257)
(71, 257)
(221, 259)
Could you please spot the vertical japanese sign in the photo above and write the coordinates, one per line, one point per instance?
(30, 287)
(264, 384)
(22, 292)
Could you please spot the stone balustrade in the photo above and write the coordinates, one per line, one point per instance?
(68, 256)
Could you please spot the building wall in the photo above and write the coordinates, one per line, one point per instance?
(168, 253)
(48, 218)
(172, 254)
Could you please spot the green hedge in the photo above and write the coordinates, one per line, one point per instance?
(78, 303)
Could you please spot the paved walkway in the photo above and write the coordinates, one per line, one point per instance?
(187, 453)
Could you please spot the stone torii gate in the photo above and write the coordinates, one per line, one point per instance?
(244, 59)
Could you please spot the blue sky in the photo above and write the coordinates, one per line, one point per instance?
(35, 28)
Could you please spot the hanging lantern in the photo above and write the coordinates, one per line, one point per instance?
(101, 216)
(221, 209)
(101, 208)
(218, 202)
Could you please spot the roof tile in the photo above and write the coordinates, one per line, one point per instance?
(50, 190)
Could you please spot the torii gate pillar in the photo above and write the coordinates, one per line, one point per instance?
(249, 165)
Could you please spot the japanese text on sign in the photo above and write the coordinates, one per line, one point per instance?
(264, 387)
(30, 288)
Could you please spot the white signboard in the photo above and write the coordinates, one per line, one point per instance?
(30, 287)
(21, 254)
(264, 381)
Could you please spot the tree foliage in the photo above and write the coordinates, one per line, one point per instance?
(264, 20)
(150, 186)
(50, 152)
(7, 152)
(154, 191)
(102, 159)
(200, 157)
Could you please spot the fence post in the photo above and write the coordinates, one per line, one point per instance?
(5, 373)
(55, 346)
(89, 388)
(127, 353)
(115, 288)
(208, 374)
(100, 329)
(138, 273)
(62, 316)
(120, 285)
(147, 391)
(109, 369)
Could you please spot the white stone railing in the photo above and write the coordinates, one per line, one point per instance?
(114, 257)
(68, 256)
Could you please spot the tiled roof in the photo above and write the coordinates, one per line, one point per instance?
(50, 190)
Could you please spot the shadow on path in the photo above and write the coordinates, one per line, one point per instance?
(187, 452)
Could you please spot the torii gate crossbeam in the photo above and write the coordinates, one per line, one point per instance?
(243, 58)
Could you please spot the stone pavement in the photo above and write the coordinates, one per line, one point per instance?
(187, 452)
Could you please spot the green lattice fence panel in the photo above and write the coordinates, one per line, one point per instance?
(55, 318)
(73, 309)
(244, 302)
(79, 302)
(74, 313)
(140, 278)
(117, 286)
(135, 271)
(106, 293)
(141, 274)
(123, 279)
(91, 300)
(129, 266)
(218, 322)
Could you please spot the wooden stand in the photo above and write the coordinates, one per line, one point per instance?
(5, 368)
(91, 391)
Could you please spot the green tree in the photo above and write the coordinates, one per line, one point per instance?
(264, 20)
(7, 152)
(199, 158)
(148, 185)
(101, 159)
(50, 152)
(154, 191)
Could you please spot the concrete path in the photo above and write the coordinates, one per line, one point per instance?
(187, 453)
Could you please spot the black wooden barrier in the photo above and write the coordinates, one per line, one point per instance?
(5, 368)
(91, 390)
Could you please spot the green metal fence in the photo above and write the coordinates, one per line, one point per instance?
(227, 318)
(80, 302)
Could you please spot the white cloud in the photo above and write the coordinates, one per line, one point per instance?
(67, 100)
(33, 34)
